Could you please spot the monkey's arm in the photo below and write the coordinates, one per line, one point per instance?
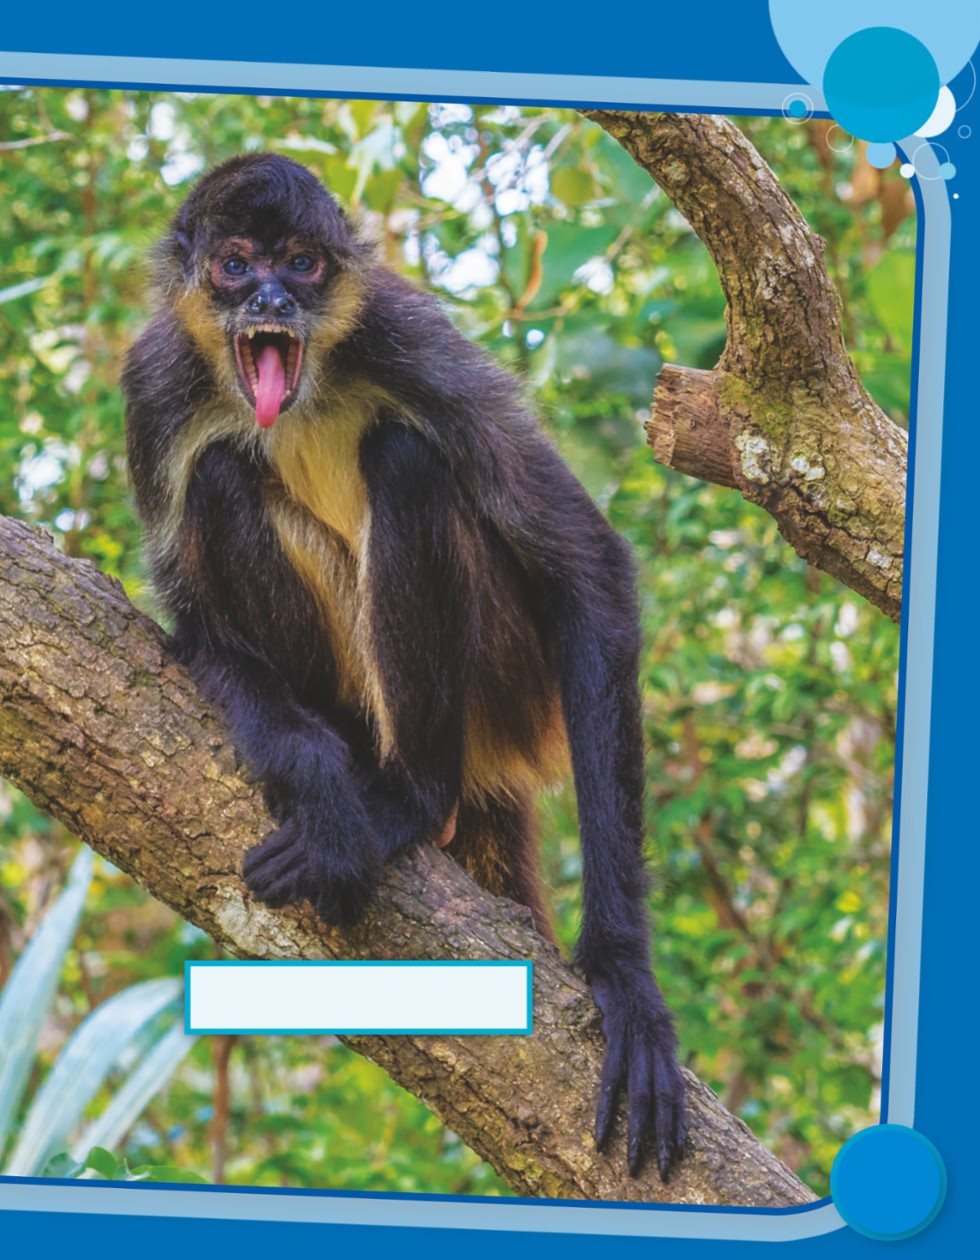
(588, 569)
(239, 606)
(421, 610)
(324, 847)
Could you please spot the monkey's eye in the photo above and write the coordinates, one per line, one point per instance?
(302, 262)
(234, 266)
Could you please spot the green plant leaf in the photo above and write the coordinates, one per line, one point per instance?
(102, 1162)
(573, 185)
(891, 290)
(82, 1066)
(62, 1166)
(23, 289)
(165, 1172)
(146, 1080)
(27, 996)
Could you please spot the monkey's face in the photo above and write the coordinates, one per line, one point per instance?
(268, 278)
(269, 302)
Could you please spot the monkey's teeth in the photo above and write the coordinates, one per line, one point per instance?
(276, 329)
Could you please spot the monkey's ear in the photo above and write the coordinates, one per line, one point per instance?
(180, 247)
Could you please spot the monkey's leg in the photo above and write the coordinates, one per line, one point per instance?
(496, 844)
(422, 619)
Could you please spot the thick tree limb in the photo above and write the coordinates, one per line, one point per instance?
(783, 417)
(101, 729)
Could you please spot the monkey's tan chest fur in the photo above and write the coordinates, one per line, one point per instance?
(319, 507)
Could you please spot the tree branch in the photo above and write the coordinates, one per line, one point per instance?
(105, 732)
(783, 417)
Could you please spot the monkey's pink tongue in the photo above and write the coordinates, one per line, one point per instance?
(271, 389)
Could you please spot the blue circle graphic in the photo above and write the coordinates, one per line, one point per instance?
(888, 1182)
(796, 108)
(881, 155)
(881, 84)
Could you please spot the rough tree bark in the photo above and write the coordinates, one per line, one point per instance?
(783, 417)
(105, 732)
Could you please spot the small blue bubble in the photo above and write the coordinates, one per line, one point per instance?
(796, 108)
(888, 1182)
(881, 155)
(881, 84)
(947, 170)
(964, 132)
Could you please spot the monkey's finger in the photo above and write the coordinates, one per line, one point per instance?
(271, 864)
(273, 870)
(609, 1087)
(638, 1113)
(670, 1120)
(276, 890)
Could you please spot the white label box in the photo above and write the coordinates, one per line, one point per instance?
(475, 997)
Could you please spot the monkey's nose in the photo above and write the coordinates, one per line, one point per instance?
(271, 297)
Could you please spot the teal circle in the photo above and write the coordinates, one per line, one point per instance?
(881, 84)
(880, 155)
(796, 108)
(888, 1182)
(947, 170)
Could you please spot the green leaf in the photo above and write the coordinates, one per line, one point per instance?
(27, 996)
(891, 292)
(569, 247)
(129, 1101)
(23, 289)
(165, 1172)
(573, 185)
(93, 1050)
(62, 1166)
(102, 1161)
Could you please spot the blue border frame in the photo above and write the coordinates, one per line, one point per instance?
(683, 1223)
(525, 964)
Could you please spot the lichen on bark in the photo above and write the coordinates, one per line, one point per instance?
(784, 399)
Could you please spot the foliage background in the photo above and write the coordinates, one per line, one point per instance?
(769, 689)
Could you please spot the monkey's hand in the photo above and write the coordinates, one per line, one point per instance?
(323, 850)
(641, 1059)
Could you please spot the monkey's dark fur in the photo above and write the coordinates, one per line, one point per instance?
(405, 605)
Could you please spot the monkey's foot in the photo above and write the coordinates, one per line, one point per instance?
(294, 863)
(641, 1061)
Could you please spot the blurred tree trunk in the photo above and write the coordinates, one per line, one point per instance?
(783, 417)
(100, 728)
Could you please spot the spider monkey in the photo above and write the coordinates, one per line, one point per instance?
(407, 609)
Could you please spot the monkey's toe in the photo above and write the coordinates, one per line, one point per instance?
(640, 1062)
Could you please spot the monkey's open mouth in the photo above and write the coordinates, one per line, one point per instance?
(270, 359)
